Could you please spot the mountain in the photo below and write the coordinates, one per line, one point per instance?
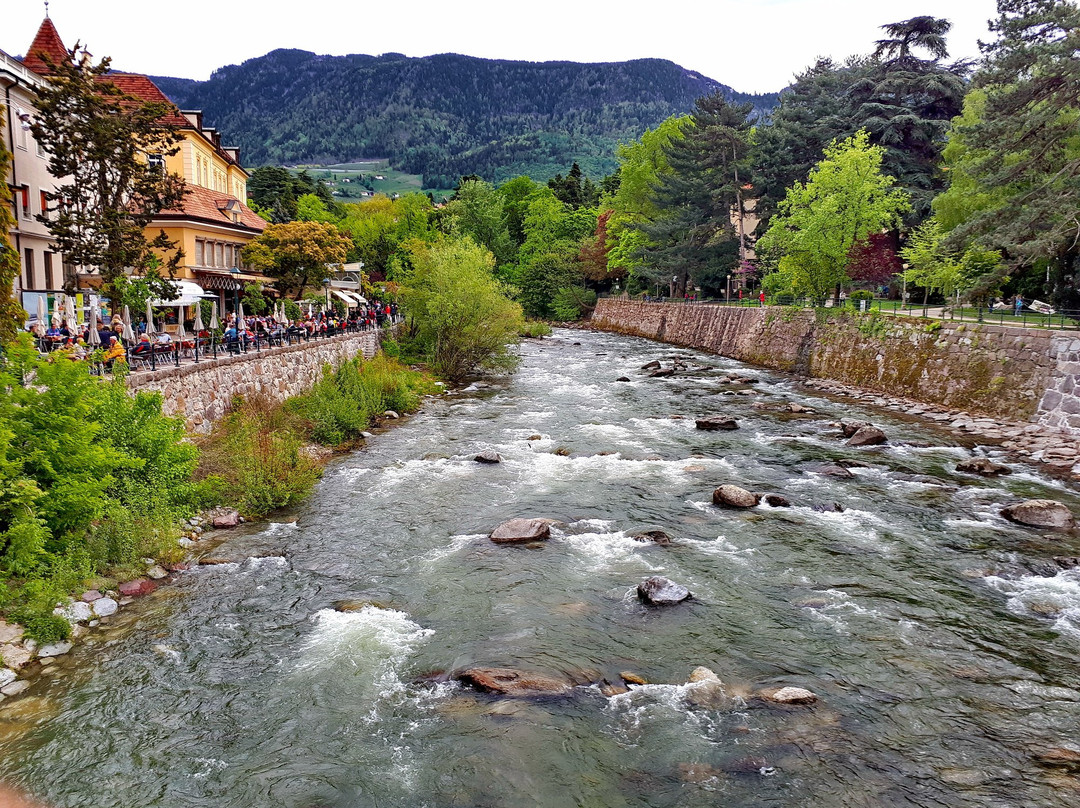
(442, 116)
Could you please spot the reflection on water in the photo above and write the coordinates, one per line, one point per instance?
(944, 649)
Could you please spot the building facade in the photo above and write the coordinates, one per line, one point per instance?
(43, 271)
(212, 225)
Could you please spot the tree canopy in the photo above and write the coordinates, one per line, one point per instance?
(298, 254)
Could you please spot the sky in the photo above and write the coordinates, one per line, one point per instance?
(752, 45)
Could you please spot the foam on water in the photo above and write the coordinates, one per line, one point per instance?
(603, 550)
(1056, 598)
(721, 547)
(456, 545)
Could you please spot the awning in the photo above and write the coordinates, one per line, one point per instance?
(350, 301)
(188, 294)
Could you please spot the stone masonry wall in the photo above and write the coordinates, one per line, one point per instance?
(202, 392)
(999, 371)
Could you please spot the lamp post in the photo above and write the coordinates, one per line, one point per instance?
(326, 310)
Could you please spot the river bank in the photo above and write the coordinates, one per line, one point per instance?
(944, 664)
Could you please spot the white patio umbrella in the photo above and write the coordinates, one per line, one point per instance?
(58, 311)
(181, 332)
(41, 312)
(198, 324)
(214, 324)
(69, 312)
(240, 316)
(93, 339)
(128, 333)
(150, 330)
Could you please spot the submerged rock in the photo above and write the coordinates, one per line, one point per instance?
(513, 682)
(521, 530)
(140, 586)
(623, 379)
(535, 437)
(983, 466)
(834, 470)
(777, 501)
(1039, 513)
(732, 496)
(867, 436)
(715, 422)
(662, 373)
(632, 678)
(654, 536)
(654, 365)
(660, 591)
(488, 457)
(704, 689)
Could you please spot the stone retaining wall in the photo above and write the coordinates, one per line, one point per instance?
(1005, 372)
(201, 392)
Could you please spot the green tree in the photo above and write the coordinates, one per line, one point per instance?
(844, 200)
(11, 312)
(693, 236)
(462, 320)
(477, 210)
(1019, 148)
(298, 254)
(108, 147)
(548, 259)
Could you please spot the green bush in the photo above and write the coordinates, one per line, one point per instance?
(45, 628)
(572, 302)
(535, 328)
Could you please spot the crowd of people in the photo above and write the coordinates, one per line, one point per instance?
(58, 341)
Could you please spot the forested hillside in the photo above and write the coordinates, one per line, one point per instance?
(442, 116)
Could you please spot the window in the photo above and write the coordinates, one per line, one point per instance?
(200, 251)
(49, 280)
(156, 162)
(25, 190)
(28, 262)
(44, 204)
(20, 137)
(219, 254)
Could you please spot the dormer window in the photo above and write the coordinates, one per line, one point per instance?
(231, 208)
(156, 162)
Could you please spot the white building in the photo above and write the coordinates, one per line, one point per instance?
(43, 270)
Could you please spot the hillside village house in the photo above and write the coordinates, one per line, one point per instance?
(213, 224)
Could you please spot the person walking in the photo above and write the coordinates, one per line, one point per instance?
(1019, 303)
(761, 298)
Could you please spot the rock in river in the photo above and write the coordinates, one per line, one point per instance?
(512, 682)
(732, 496)
(519, 530)
(849, 426)
(714, 422)
(867, 436)
(1039, 513)
(788, 695)
(982, 465)
(488, 457)
(654, 536)
(659, 591)
(777, 501)
(229, 518)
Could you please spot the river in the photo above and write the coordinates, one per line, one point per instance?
(943, 666)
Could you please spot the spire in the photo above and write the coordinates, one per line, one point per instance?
(46, 43)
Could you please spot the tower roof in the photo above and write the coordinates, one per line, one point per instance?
(47, 43)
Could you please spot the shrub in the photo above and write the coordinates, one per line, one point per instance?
(571, 302)
(45, 628)
(535, 328)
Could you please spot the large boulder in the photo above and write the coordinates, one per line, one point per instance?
(488, 457)
(515, 683)
(714, 422)
(704, 689)
(983, 466)
(867, 436)
(140, 586)
(520, 530)
(660, 591)
(849, 426)
(1039, 513)
(732, 496)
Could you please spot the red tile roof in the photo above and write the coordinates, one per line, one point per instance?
(205, 206)
(47, 43)
(141, 87)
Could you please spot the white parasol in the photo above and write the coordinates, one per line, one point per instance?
(128, 333)
(93, 339)
(150, 330)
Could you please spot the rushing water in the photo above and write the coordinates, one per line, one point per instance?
(944, 666)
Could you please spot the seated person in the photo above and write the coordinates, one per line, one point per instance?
(54, 335)
(114, 352)
(143, 347)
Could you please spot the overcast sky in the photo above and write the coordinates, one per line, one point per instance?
(752, 45)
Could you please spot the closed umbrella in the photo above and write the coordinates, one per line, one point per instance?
(181, 332)
(240, 317)
(198, 324)
(93, 339)
(150, 330)
(41, 312)
(128, 333)
(69, 311)
(214, 324)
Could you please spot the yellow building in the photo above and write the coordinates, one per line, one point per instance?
(214, 223)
